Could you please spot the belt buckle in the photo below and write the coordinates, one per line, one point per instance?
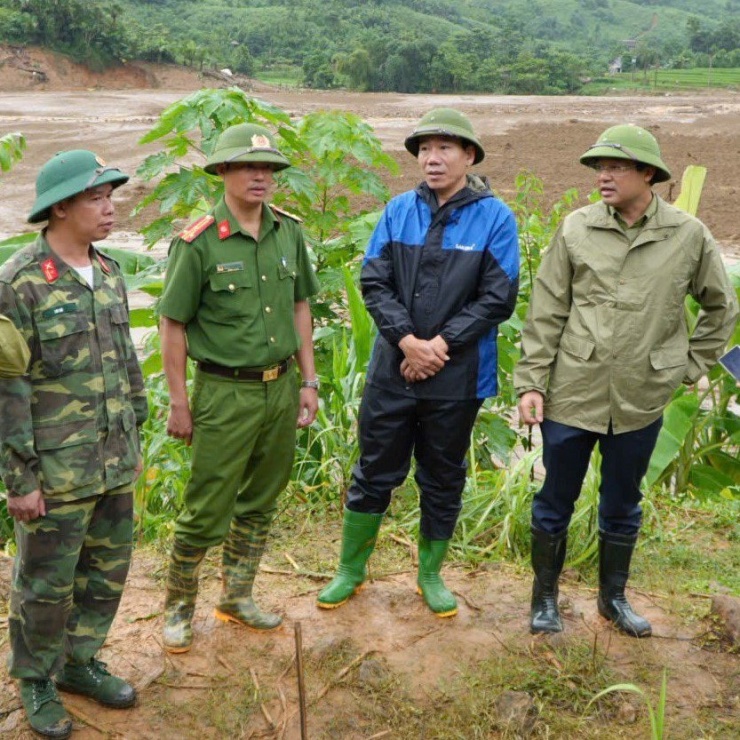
(270, 374)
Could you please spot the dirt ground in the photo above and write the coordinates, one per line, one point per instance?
(387, 621)
(386, 624)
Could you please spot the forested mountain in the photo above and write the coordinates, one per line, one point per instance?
(517, 46)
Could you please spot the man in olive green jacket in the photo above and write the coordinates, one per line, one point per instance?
(604, 348)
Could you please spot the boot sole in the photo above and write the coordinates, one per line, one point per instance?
(328, 605)
(441, 615)
(224, 617)
(629, 633)
(113, 705)
(62, 735)
(533, 631)
(177, 650)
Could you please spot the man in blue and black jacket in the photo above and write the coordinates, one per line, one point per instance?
(440, 274)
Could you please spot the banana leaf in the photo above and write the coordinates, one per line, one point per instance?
(692, 184)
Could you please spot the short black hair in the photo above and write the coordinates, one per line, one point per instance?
(642, 166)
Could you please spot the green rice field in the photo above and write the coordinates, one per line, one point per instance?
(666, 79)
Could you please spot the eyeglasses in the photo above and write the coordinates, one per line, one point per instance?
(613, 169)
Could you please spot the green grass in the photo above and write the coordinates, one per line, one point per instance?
(697, 543)
(283, 75)
(665, 80)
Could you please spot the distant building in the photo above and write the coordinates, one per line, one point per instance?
(615, 67)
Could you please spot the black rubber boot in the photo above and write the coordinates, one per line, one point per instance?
(615, 554)
(548, 556)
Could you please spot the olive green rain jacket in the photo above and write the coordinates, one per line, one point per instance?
(606, 337)
(14, 352)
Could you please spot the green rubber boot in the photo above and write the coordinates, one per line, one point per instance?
(242, 553)
(359, 533)
(182, 590)
(429, 583)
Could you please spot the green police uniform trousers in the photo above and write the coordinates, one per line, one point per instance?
(242, 454)
(68, 579)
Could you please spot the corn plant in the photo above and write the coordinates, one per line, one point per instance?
(328, 449)
(655, 714)
(159, 490)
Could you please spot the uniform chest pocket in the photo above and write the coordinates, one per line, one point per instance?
(120, 330)
(65, 344)
(230, 282)
(287, 270)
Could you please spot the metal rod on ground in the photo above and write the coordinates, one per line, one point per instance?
(301, 684)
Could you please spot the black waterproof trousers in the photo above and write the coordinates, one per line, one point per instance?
(391, 428)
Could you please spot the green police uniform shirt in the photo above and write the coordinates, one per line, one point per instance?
(236, 295)
(69, 425)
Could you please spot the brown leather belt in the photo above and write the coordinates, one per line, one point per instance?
(247, 373)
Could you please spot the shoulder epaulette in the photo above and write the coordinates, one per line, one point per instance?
(281, 212)
(17, 261)
(104, 257)
(189, 233)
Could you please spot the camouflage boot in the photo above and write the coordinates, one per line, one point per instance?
(242, 553)
(182, 589)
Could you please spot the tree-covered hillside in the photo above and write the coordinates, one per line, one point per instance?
(517, 46)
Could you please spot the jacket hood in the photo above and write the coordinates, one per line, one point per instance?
(475, 188)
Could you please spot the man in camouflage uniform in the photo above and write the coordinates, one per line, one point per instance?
(69, 449)
(236, 301)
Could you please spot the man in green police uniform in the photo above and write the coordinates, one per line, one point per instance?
(235, 300)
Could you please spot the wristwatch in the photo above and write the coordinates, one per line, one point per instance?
(311, 384)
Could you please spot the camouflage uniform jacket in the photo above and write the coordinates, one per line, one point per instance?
(69, 426)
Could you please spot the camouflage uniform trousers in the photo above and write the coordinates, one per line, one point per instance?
(68, 579)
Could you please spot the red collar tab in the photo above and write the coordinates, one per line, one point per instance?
(103, 264)
(224, 229)
(49, 268)
(196, 228)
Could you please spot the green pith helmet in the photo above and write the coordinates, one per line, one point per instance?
(628, 142)
(67, 174)
(246, 142)
(444, 122)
